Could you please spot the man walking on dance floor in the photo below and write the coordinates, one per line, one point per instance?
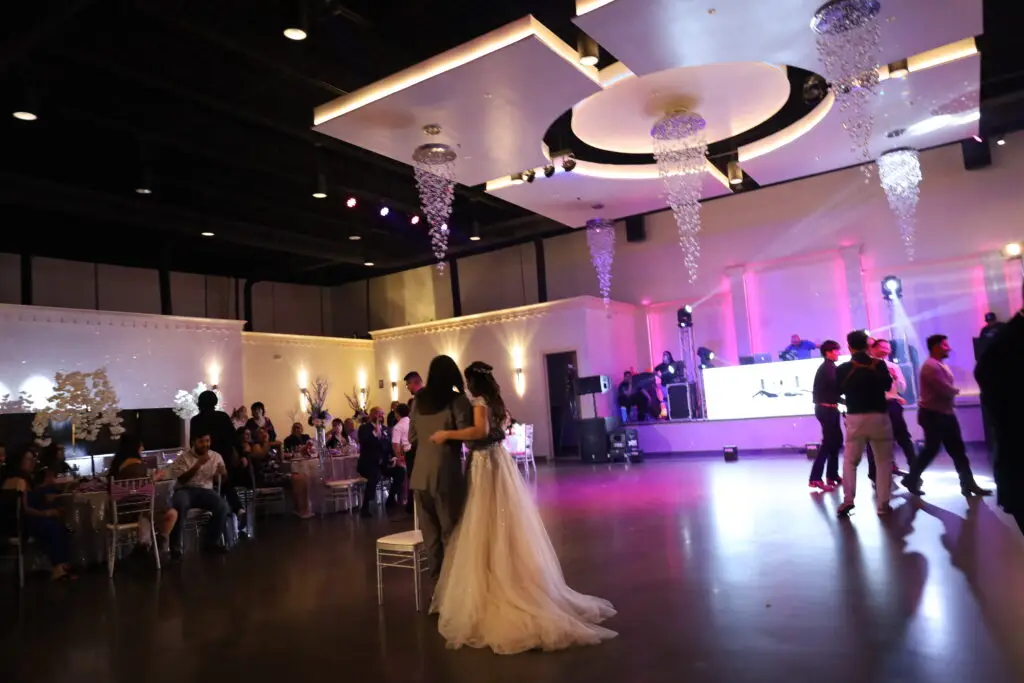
(864, 380)
(937, 418)
(826, 410)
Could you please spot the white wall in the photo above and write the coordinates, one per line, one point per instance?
(519, 337)
(498, 279)
(148, 358)
(276, 365)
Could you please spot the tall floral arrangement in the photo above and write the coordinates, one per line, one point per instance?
(316, 403)
(186, 403)
(357, 402)
(85, 399)
(22, 403)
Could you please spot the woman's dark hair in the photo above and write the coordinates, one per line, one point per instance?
(207, 401)
(128, 447)
(442, 378)
(481, 382)
(345, 431)
(48, 456)
(258, 406)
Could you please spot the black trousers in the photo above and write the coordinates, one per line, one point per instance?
(373, 476)
(410, 462)
(900, 434)
(831, 442)
(941, 430)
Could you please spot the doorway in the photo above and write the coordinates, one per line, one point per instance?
(564, 403)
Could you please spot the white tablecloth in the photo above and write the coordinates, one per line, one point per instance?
(334, 469)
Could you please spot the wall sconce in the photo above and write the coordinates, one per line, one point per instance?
(520, 382)
(362, 398)
(394, 391)
(213, 373)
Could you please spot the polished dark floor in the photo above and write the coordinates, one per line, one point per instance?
(724, 573)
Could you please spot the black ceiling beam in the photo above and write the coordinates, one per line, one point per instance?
(17, 189)
(23, 44)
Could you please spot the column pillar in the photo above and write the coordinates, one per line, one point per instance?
(857, 302)
(993, 265)
(740, 310)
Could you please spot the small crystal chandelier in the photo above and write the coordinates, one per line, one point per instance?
(900, 174)
(435, 181)
(601, 241)
(681, 153)
(848, 46)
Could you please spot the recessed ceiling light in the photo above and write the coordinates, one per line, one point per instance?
(350, 202)
(25, 116)
(1000, 142)
(368, 263)
(355, 238)
(474, 238)
(206, 234)
(294, 33)
(384, 211)
(143, 190)
(320, 195)
(415, 220)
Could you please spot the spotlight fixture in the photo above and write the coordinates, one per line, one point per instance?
(384, 211)
(355, 238)
(206, 234)
(815, 89)
(415, 220)
(706, 355)
(321, 187)
(294, 33)
(145, 186)
(475, 235)
(1013, 250)
(296, 25)
(588, 50)
(684, 316)
(731, 453)
(517, 179)
(528, 176)
(549, 170)
(143, 190)
(368, 264)
(735, 173)
(569, 163)
(892, 288)
(351, 202)
(899, 69)
(25, 116)
(1000, 142)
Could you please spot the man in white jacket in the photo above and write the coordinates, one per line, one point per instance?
(882, 350)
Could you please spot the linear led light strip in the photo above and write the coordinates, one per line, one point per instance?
(446, 61)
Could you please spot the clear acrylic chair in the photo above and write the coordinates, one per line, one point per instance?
(130, 501)
(404, 550)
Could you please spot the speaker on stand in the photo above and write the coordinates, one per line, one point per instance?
(593, 432)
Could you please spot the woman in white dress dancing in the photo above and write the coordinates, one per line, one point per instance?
(501, 583)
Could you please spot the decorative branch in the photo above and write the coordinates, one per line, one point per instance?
(87, 400)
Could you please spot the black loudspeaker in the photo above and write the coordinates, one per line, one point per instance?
(976, 154)
(625, 445)
(596, 384)
(679, 401)
(636, 229)
(594, 440)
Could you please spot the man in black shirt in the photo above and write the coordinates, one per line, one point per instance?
(863, 380)
(826, 409)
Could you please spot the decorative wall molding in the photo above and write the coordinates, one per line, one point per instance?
(275, 339)
(12, 313)
(508, 315)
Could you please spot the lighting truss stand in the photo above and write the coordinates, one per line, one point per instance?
(692, 372)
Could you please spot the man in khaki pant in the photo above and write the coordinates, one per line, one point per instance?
(864, 380)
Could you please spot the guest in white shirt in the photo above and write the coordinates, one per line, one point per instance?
(400, 444)
(882, 350)
(194, 472)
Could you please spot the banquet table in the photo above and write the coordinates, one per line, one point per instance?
(335, 469)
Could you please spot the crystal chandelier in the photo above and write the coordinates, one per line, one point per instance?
(435, 181)
(681, 153)
(900, 174)
(848, 46)
(601, 241)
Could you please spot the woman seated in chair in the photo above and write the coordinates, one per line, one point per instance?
(267, 467)
(39, 517)
(127, 464)
(52, 459)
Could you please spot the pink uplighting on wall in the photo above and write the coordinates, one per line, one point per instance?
(753, 311)
(843, 302)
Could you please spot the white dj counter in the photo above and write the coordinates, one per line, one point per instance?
(780, 389)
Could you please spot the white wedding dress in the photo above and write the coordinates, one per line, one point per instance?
(501, 584)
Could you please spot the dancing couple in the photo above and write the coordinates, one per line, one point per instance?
(498, 582)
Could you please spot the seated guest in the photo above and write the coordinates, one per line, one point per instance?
(127, 464)
(240, 417)
(334, 437)
(39, 516)
(627, 398)
(297, 439)
(194, 472)
(52, 459)
(267, 466)
(393, 415)
(3, 461)
(259, 420)
(669, 371)
(799, 349)
(376, 460)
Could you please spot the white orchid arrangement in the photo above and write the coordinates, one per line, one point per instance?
(357, 401)
(316, 403)
(186, 403)
(87, 400)
(22, 403)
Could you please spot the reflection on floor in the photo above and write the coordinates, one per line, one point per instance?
(721, 572)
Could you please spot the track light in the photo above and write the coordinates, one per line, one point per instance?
(528, 176)
(351, 202)
(321, 187)
(384, 211)
(517, 178)
(735, 173)
(899, 69)
(549, 170)
(296, 24)
(569, 163)
(475, 235)
(415, 220)
(588, 50)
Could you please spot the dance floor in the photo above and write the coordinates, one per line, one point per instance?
(723, 573)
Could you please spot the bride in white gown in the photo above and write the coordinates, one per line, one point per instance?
(501, 584)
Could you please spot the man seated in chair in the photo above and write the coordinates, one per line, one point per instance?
(194, 472)
(376, 460)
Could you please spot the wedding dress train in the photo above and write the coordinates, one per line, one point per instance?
(501, 584)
